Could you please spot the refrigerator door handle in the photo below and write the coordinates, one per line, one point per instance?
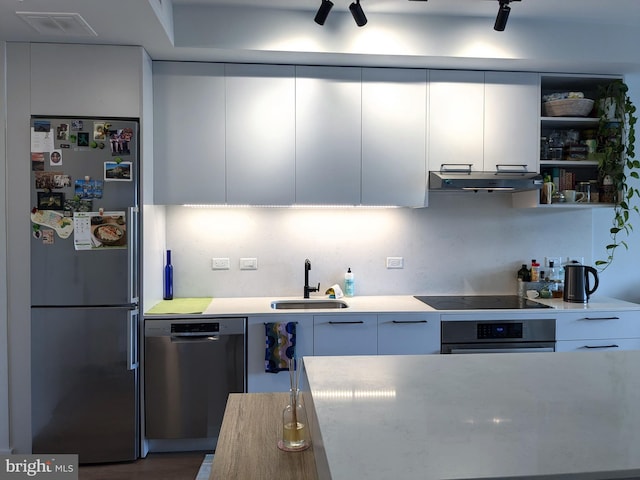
(133, 249)
(132, 340)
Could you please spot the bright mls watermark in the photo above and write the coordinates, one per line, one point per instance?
(51, 467)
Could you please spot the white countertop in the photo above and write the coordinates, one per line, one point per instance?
(386, 304)
(476, 416)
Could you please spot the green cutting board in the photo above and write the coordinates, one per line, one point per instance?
(180, 306)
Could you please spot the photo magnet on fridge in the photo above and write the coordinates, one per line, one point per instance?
(62, 131)
(88, 188)
(51, 180)
(99, 131)
(117, 172)
(50, 200)
(37, 161)
(47, 236)
(55, 158)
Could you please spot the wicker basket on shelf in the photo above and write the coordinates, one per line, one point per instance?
(569, 107)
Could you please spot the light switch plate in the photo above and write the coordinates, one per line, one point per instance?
(248, 264)
(395, 262)
(220, 264)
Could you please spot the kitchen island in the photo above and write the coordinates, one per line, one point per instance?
(534, 415)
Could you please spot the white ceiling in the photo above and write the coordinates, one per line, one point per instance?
(141, 22)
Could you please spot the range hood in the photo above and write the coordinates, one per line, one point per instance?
(472, 181)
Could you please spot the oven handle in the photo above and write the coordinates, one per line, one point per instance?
(502, 350)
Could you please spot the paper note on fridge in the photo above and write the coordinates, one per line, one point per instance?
(93, 230)
(41, 141)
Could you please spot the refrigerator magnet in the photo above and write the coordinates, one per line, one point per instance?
(77, 125)
(51, 180)
(99, 131)
(119, 141)
(62, 131)
(88, 188)
(37, 161)
(50, 201)
(47, 236)
(55, 158)
(77, 204)
(83, 139)
(52, 219)
(117, 172)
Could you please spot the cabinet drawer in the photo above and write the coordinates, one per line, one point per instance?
(408, 334)
(598, 345)
(345, 335)
(598, 325)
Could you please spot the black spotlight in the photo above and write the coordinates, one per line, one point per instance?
(358, 14)
(323, 12)
(503, 16)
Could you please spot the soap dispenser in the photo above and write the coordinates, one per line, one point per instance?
(349, 286)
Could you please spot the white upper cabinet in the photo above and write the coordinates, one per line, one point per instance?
(512, 106)
(328, 135)
(260, 134)
(456, 119)
(485, 119)
(189, 133)
(394, 117)
(86, 80)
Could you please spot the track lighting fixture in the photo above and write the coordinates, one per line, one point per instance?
(358, 14)
(323, 12)
(503, 15)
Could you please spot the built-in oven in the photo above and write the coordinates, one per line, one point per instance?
(498, 336)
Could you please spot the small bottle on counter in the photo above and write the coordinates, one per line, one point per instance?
(523, 274)
(168, 278)
(349, 283)
(535, 271)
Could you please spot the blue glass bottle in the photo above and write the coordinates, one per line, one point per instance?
(168, 278)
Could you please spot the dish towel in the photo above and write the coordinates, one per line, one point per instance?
(281, 346)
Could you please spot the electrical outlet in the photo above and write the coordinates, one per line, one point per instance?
(395, 262)
(248, 264)
(220, 264)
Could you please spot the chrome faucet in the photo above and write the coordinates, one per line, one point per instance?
(307, 288)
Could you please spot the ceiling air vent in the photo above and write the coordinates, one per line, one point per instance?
(51, 23)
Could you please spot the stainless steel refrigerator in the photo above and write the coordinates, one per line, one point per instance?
(84, 287)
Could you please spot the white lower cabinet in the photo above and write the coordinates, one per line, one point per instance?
(345, 334)
(600, 344)
(408, 334)
(598, 330)
(258, 380)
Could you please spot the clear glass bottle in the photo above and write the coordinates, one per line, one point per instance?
(295, 427)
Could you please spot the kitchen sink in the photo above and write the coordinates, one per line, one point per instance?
(307, 304)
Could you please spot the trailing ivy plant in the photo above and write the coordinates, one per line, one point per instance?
(617, 163)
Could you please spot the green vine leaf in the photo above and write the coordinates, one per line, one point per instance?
(617, 151)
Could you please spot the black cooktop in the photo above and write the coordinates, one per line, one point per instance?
(478, 302)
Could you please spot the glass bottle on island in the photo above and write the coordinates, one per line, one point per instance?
(295, 426)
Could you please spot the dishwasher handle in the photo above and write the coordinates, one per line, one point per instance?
(194, 337)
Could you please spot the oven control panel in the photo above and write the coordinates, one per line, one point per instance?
(499, 330)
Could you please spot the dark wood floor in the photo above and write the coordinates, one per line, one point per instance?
(156, 466)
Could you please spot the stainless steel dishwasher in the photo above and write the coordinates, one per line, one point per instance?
(191, 366)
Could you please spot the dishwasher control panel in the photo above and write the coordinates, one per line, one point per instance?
(184, 327)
